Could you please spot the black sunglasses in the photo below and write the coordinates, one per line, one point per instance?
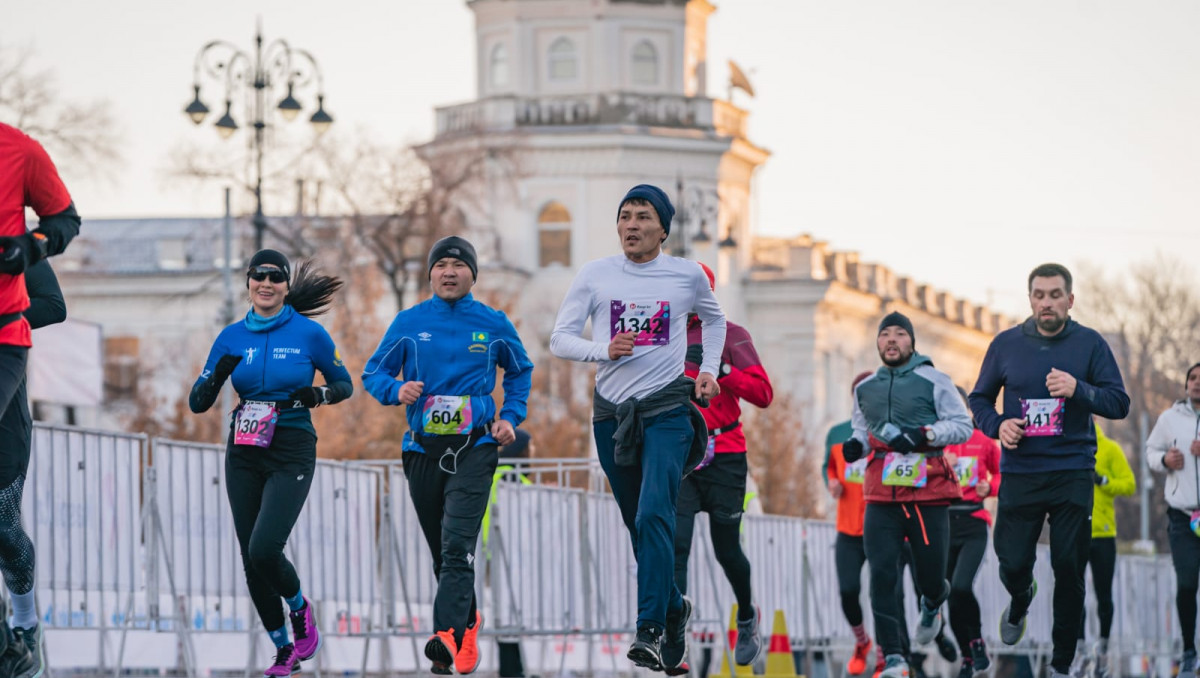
(260, 274)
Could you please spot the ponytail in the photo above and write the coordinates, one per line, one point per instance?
(311, 291)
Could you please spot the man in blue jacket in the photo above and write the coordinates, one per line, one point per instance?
(439, 358)
(1055, 374)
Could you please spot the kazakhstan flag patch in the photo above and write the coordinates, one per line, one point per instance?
(479, 336)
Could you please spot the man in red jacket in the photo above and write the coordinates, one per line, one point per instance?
(718, 485)
(27, 179)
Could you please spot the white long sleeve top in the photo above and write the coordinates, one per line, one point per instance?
(653, 299)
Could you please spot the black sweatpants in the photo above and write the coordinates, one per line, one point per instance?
(720, 490)
(849, 556)
(1185, 554)
(16, 549)
(1102, 556)
(14, 413)
(450, 508)
(884, 530)
(968, 543)
(1025, 502)
(267, 487)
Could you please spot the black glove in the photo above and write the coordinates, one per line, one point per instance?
(1099, 479)
(908, 440)
(224, 368)
(311, 396)
(852, 450)
(18, 253)
(695, 354)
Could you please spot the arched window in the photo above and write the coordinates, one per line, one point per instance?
(498, 66)
(645, 64)
(564, 63)
(554, 235)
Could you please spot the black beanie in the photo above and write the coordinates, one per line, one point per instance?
(657, 199)
(273, 257)
(455, 248)
(899, 320)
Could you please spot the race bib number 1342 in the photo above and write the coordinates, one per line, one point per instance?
(650, 320)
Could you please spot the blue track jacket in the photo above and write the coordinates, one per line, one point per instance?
(1018, 360)
(277, 362)
(454, 348)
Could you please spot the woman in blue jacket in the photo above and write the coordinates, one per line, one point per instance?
(439, 358)
(272, 355)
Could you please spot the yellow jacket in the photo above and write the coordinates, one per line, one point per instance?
(1112, 465)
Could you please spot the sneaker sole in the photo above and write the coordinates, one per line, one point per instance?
(930, 634)
(645, 659)
(681, 670)
(437, 652)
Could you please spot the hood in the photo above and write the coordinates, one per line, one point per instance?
(913, 363)
(1029, 329)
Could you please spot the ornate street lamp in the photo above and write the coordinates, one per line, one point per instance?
(258, 75)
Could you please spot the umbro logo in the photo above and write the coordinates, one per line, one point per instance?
(424, 336)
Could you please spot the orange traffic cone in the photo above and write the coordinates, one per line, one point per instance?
(780, 662)
(727, 651)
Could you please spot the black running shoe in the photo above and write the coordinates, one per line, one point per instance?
(674, 644)
(646, 650)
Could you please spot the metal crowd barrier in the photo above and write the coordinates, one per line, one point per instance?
(135, 536)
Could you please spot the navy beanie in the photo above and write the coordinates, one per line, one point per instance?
(455, 248)
(899, 320)
(272, 257)
(655, 196)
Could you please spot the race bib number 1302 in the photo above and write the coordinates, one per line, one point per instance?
(650, 320)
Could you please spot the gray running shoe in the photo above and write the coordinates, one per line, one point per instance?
(929, 624)
(1011, 632)
(1188, 663)
(894, 666)
(749, 642)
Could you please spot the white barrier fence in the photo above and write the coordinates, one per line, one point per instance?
(139, 567)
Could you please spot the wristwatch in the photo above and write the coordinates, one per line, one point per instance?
(929, 435)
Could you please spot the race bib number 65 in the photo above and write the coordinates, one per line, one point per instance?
(904, 470)
(650, 320)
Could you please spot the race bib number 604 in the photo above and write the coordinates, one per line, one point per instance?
(447, 415)
(649, 320)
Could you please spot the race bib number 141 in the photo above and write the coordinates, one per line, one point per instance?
(650, 320)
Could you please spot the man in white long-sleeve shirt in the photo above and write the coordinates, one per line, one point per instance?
(647, 431)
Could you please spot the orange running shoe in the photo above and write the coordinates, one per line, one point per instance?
(858, 663)
(467, 659)
(441, 650)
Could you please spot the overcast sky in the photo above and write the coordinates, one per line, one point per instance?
(959, 142)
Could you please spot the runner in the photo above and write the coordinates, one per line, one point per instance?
(905, 414)
(718, 486)
(28, 178)
(648, 435)
(1055, 374)
(439, 358)
(1113, 478)
(1174, 448)
(271, 455)
(845, 483)
(977, 464)
(25, 657)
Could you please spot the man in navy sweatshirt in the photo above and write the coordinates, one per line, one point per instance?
(1055, 374)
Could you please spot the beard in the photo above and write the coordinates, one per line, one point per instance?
(1051, 325)
(899, 360)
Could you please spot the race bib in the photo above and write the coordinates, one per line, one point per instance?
(447, 415)
(1043, 416)
(856, 472)
(904, 470)
(710, 453)
(1195, 522)
(966, 468)
(255, 424)
(651, 320)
